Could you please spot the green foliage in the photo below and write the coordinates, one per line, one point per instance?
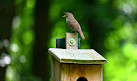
(121, 44)
(21, 43)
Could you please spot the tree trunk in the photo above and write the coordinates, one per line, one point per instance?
(41, 61)
(7, 12)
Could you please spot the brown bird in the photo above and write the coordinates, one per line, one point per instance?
(73, 24)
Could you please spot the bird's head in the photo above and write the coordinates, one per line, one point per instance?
(68, 14)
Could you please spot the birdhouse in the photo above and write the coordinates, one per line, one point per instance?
(76, 64)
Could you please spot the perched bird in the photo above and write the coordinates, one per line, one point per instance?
(73, 24)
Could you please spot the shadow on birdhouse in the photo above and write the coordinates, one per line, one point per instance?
(73, 64)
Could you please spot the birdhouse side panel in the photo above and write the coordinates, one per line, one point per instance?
(55, 69)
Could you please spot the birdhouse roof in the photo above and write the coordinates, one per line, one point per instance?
(79, 56)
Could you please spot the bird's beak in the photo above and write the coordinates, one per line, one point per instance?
(64, 16)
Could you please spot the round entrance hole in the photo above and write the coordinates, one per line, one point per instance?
(82, 79)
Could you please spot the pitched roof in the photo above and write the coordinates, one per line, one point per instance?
(79, 56)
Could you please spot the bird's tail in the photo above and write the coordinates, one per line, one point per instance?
(81, 34)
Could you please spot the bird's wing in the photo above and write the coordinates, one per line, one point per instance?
(73, 25)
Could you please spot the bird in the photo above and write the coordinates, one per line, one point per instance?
(73, 23)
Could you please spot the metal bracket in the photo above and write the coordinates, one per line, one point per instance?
(72, 41)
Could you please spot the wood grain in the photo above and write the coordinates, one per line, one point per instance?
(71, 72)
(55, 69)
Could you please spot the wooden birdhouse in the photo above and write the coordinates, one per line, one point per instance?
(76, 64)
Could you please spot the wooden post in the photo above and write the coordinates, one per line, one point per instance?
(61, 42)
(72, 37)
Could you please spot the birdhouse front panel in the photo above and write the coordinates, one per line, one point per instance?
(74, 72)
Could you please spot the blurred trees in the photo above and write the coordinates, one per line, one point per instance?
(109, 26)
(7, 12)
(22, 41)
(41, 63)
(121, 43)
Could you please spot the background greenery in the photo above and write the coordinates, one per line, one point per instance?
(29, 27)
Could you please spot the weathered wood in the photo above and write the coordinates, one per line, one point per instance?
(74, 36)
(55, 69)
(71, 72)
(79, 56)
